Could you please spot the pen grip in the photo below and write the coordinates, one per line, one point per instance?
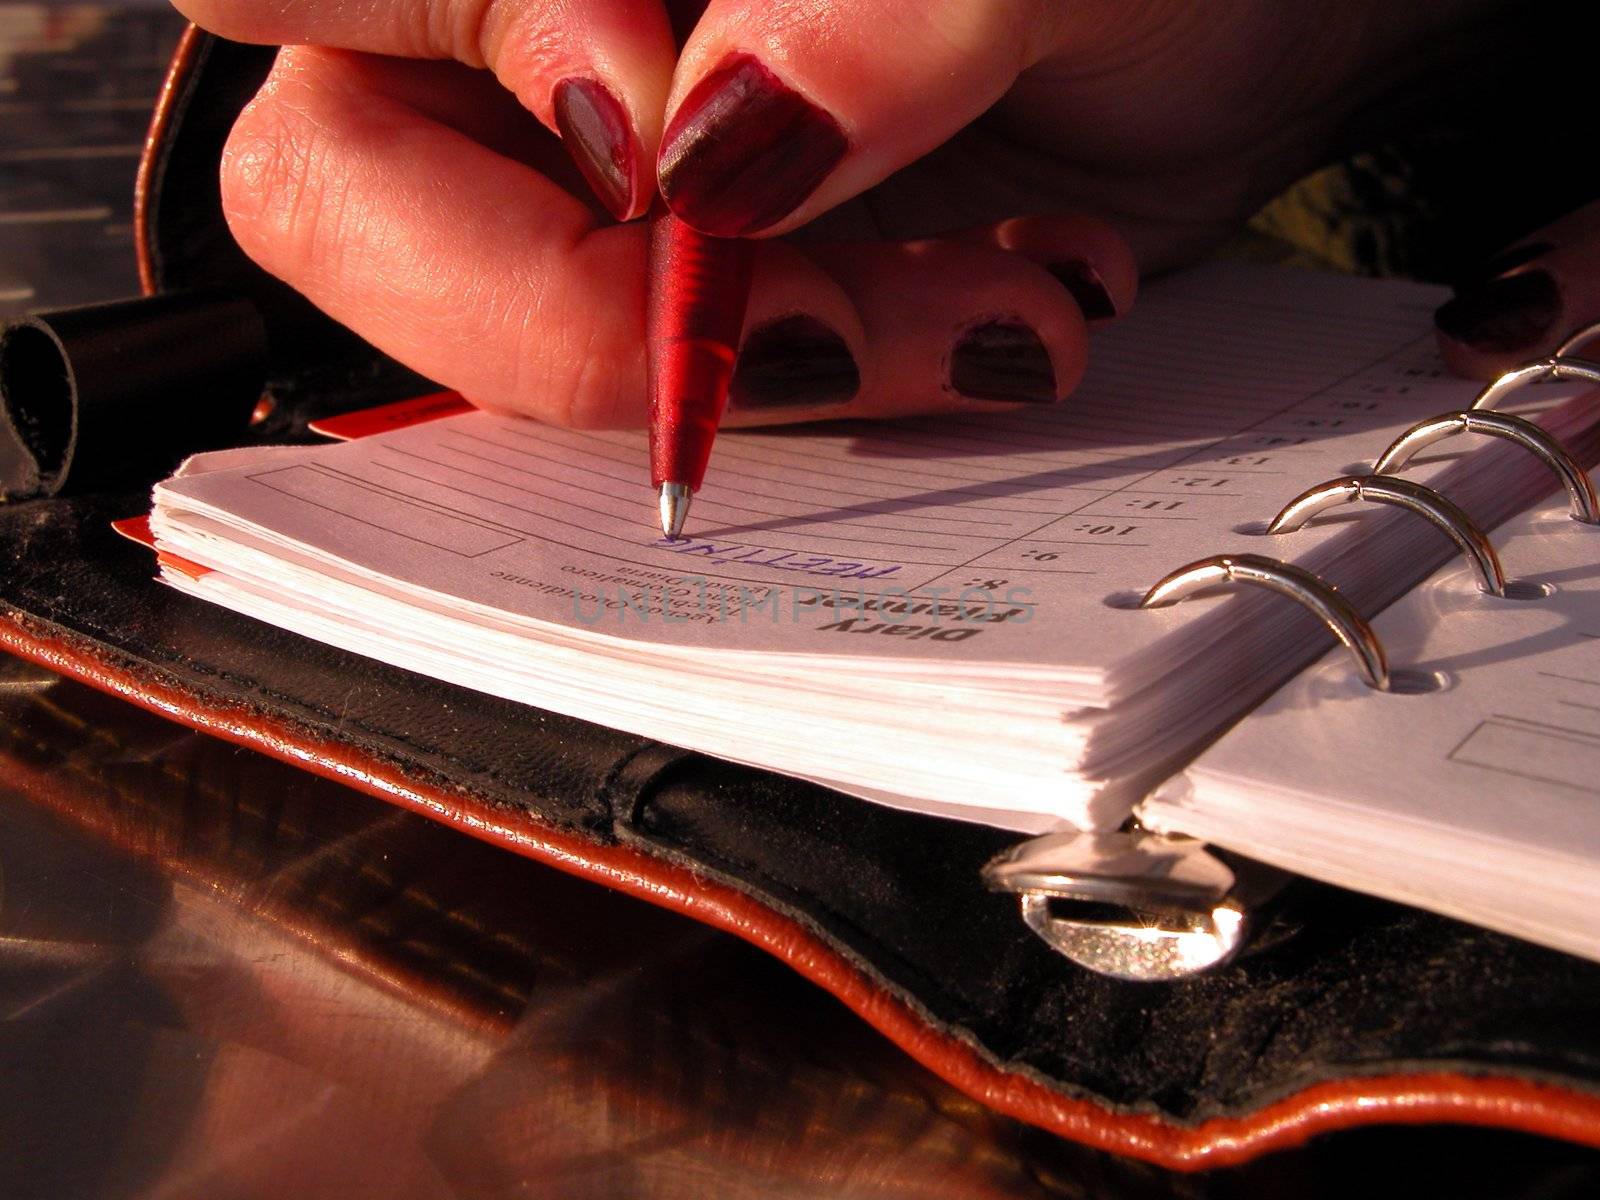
(697, 289)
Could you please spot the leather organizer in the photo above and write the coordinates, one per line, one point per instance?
(1354, 1012)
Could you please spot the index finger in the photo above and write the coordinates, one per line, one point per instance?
(782, 111)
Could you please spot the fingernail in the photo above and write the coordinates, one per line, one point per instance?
(1087, 288)
(1505, 315)
(794, 362)
(1506, 260)
(744, 150)
(594, 128)
(1002, 360)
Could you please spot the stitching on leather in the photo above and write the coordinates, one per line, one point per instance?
(643, 799)
(328, 715)
(612, 776)
(603, 792)
(784, 897)
(97, 632)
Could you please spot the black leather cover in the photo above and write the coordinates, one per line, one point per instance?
(109, 395)
(1368, 1012)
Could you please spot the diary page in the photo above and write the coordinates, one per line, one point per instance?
(985, 538)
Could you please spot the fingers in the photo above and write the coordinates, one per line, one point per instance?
(1087, 257)
(484, 275)
(780, 112)
(468, 266)
(943, 327)
(803, 343)
(597, 72)
(1527, 300)
(973, 321)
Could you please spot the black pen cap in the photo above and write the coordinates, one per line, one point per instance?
(112, 396)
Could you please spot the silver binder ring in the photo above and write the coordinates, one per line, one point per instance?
(1404, 493)
(1561, 367)
(1516, 429)
(1577, 338)
(1321, 597)
(1131, 905)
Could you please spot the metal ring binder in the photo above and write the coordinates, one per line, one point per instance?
(1406, 494)
(1561, 367)
(1577, 338)
(1321, 597)
(1139, 905)
(1585, 506)
(1150, 907)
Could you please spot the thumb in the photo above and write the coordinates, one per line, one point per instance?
(781, 111)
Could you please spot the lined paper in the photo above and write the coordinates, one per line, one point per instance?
(917, 612)
(1229, 391)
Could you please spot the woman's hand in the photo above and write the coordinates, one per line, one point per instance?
(1527, 300)
(934, 151)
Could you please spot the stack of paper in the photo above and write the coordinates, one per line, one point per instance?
(925, 613)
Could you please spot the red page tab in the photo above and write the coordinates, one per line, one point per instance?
(349, 426)
(137, 529)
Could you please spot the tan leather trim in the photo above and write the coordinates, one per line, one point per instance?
(182, 61)
(1424, 1098)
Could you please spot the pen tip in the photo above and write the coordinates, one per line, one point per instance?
(675, 499)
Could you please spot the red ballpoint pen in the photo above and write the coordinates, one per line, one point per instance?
(698, 286)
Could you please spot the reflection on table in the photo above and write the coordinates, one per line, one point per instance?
(223, 976)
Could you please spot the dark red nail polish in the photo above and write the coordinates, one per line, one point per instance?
(1506, 260)
(594, 128)
(1087, 288)
(794, 362)
(1505, 315)
(744, 150)
(1003, 360)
